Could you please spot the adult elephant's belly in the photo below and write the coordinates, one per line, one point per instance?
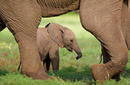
(57, 7)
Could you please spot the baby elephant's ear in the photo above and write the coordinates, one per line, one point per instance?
(56, 33)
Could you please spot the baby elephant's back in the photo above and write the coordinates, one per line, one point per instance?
(43, 41)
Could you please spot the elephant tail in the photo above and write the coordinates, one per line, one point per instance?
(101, 55)
(47, 25)
(19, 67)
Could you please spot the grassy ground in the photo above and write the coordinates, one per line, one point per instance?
(72, 72)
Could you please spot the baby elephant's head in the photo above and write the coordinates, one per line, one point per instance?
(64, 37)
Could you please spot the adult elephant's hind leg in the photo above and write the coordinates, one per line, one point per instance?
(23, 20)
(107, 58)
(103, 19)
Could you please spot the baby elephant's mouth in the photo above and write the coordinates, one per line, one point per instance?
(70, 49)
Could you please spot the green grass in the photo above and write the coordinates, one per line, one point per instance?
(72, 72)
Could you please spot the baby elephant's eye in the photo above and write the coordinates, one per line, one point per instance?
(71, 40)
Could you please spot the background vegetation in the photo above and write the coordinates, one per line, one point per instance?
(72, 72)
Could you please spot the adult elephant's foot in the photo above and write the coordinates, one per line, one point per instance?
(99, 72)
(107, 71)
(41, 75)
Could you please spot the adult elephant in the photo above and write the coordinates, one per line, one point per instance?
(108, 22)
(100, 17)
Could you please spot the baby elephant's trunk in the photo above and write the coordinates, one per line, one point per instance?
(79, 55)
(78, 51)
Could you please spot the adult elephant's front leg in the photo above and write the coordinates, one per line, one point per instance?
(22, 20)
(103, 19)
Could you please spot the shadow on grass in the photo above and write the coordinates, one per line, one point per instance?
(72, 74)
(126, 73)
(3, 72)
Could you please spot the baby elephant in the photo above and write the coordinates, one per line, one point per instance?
(50, 38)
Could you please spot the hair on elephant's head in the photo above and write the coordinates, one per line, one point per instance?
(64, 37)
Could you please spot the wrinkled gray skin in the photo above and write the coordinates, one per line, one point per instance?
(107, 20)
(49, 49)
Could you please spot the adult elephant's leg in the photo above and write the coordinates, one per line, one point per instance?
(22, 20)
(30, 64)
(128, 30)
(107, 58)
(103, 19)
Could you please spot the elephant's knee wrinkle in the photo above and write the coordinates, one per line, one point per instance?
(122, 59)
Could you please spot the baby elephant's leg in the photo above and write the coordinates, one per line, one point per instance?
(46, 63)
(55, 63)
(54, 57)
